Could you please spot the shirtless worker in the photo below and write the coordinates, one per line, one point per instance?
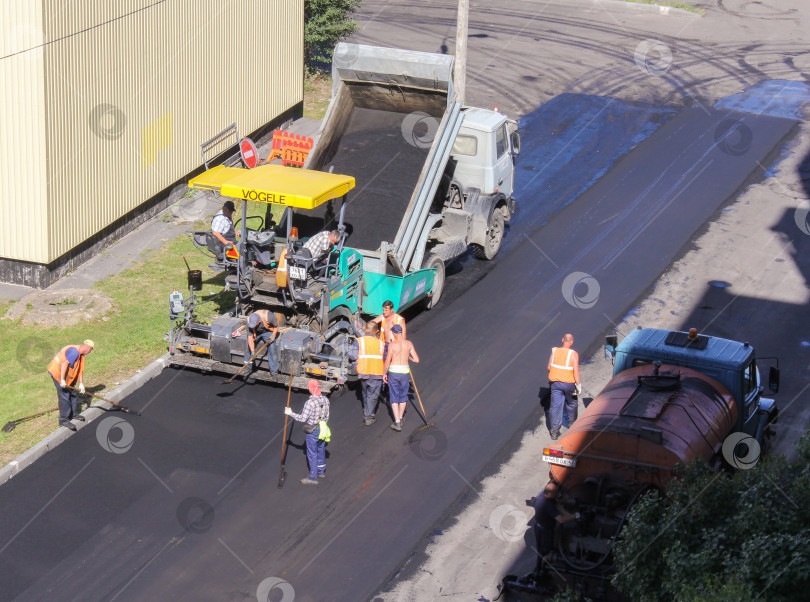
(397, 373)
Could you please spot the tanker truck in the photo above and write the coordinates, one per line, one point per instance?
(674, 397)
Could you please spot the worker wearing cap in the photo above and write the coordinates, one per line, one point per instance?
(547, 513)
(263, 328)
(397, 373)
(222, 224)
(367, 351)
(316, 408)
(67, 370)
(563, 375)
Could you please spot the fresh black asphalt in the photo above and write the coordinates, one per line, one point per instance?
(192, 509)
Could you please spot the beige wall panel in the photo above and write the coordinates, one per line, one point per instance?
(67, 17)
(23, 207)
(132, 88)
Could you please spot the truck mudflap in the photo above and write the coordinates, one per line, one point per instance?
(404, 291)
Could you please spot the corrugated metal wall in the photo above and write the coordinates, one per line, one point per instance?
(131, 88)
(23, 174)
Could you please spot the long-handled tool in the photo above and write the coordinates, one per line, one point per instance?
(11, 424)
(117, 405)
(249, 362)
(424, 416)
(187, 266)
(282, 475)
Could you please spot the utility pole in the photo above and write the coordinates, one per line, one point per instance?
(460, 75)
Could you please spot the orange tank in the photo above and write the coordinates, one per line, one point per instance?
(644, 422)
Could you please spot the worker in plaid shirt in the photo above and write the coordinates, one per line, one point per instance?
(315, 409)
(222, 225)
(321, 243)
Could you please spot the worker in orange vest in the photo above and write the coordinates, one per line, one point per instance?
(386, 322)
(67, 370)
(367, 350)
(563, 376)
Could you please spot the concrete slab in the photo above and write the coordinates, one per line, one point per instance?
(14, 292)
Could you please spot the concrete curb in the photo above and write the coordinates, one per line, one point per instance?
(50, 442)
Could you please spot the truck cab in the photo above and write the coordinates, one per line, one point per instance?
(731, 363)
(484, 152)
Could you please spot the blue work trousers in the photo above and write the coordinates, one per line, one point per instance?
(271, 352)
(371, 393)
(562, 394)
(68, 402)
(316, 454)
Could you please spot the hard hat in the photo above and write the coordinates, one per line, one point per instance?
(71, 355)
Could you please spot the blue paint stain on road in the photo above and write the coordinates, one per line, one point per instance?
(776, 97)
(573, 140)
(568, 144)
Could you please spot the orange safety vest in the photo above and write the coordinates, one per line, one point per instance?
(370, 358)
(73, 373)
(397, 320)
(281, 270)
(562, 365)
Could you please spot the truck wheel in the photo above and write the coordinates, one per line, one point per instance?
(434, 261)
(494, 237)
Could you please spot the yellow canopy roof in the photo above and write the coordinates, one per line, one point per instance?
(289, 186)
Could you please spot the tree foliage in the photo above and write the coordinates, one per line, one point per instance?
(717, 536)
(326, 22)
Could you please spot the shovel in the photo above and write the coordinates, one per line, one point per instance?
(282, 476)
(117, 405)
(424, 416)
(250, 362)
(11, 424)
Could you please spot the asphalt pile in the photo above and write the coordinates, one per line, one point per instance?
(386, 164)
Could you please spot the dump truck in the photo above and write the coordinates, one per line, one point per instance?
(433, 179)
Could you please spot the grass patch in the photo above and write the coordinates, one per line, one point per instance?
(317, 93)
(682, 5)
(128, 340)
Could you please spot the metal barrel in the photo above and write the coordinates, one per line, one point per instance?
(195, 280)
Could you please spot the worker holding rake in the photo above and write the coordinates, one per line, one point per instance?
(67, 371)
(397, 373)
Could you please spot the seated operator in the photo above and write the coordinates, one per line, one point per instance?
(320, 245)
(222, 225)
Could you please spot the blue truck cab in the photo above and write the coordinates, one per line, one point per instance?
(731, 363)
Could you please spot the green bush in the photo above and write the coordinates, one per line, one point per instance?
(326, 22)
(721, 536)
